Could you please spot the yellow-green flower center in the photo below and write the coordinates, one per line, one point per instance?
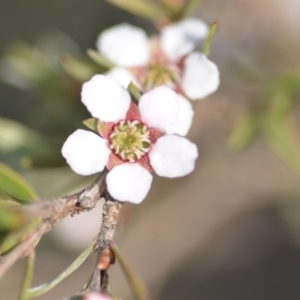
(159, 72)
(130, 140)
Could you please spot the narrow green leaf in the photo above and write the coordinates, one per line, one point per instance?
(79, 69)
(9, 219)
(15, 237)
(283, 140)
(43, 288)
(14, 135)
(99, 59)
(184, 8)
(243, 132)
(27, 276)
(134, 91)
(91, 123)
(209, 38)
(142, 8)
(138, 287)
(4, 197)
(15, 186)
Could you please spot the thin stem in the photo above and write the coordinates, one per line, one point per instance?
(138, 287)
(43, 288)
(110, 215)
(27, 276)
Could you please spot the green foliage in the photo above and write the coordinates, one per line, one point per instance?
(244, 132)
(14, 135)
(13, 224)
(27, 276)
(40, 71)
(158, 12)
(26, 65)
(43, 288)
(12, 184)
(147, 9)
(137, 286)
(134, 91)
(11, 220)
(91, 123)
(100, 59)
(15, 234)
(273, 121)
(78, 68)
(209, 38)
(283, 140)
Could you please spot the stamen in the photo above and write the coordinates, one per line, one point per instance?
(130, 140)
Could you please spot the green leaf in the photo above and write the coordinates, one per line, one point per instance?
(81, 70)
(137, 285)
(91, 123)
(14, 135)
(243, 132)
(99, 59)
(208, 40)
(187, 8)
(15, 186)
(134, 91)
(4, 197)
(43, 288)
(280, 106)
(142, 8)
(27, 276)
(15, 237)
(9, 220)
(283, 140)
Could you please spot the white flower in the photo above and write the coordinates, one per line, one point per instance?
(134, 140)
(95, 296)
(168, 61)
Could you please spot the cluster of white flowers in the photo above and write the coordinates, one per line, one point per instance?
(135, 140)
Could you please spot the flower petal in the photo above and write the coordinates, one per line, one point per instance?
(95, 296)
(181, 38)
(159, 107)
(125, 45)
(173, 156)
(129, 182)
(184, 119)
(85, 152)
(105, 98)
(201, 76)
(123, 76)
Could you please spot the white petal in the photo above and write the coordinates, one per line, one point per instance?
(123, 76)
(105, 98)
(173, 156)
(95, 296)
(184, 118)
(85, 152)
(129, 182)
(159, 107)
(125, 45)
(181, 38)
(201, 76)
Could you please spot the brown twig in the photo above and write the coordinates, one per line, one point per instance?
(52, 212)
(110, 215)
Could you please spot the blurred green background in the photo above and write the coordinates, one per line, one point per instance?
(228, 231)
